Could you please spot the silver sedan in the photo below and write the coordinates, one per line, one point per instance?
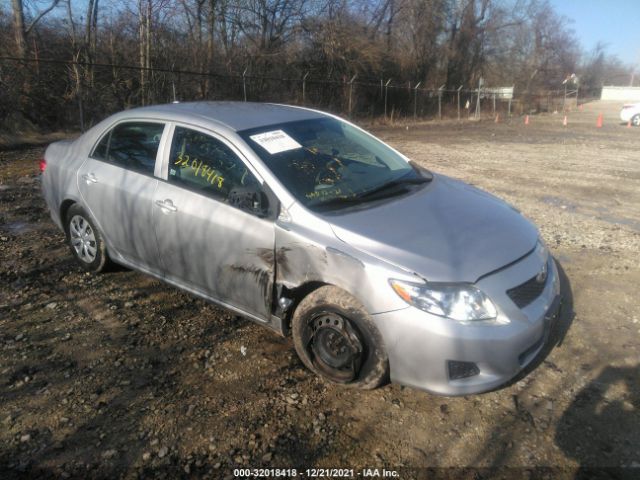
(308, 225)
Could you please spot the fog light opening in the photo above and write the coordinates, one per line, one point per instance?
(459, 370)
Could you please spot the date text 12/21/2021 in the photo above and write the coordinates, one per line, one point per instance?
(315, 473)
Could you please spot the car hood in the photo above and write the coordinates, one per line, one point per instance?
(447, 231)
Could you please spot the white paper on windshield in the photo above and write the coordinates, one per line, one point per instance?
(275, 142)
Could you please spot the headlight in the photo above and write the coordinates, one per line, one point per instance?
(542, 251)
(464, 303)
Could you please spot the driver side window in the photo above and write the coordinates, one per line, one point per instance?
(202, 163)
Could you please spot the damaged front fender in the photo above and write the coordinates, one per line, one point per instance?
(315, 256)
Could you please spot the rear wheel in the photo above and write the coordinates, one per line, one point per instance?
(635, 120)
(85, 240)
(337, 340)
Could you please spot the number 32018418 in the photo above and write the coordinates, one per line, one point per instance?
(201, 169)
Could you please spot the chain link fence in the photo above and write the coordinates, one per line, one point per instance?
(65, 94)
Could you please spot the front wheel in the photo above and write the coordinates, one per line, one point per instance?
(85, 241)
(635, 120)
(336, 339)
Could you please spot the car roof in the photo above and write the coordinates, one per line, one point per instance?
(235, 115)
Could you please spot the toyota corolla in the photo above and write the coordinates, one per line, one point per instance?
(304, 223)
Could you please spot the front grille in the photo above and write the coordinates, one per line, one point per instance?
(524, 294)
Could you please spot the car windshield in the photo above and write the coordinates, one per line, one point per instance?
(329, 164)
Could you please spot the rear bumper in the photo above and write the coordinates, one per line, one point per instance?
(421, 346)
(50, 201)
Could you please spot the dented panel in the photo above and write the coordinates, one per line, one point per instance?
(217, 249)
(307, 251)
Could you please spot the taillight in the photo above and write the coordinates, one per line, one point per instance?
(43, 165)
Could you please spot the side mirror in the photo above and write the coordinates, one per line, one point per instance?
(250, 199)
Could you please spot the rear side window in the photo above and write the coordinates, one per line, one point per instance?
(133, 146)
(203, 163)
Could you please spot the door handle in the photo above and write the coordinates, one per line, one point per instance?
(90, 178)
(167, 205)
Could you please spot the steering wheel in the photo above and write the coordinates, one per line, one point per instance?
(329, 174)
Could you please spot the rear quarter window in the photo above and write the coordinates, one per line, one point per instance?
(101, 150)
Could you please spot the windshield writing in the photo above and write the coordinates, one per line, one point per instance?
(323, 161)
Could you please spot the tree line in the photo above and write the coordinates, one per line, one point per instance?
(97, 56)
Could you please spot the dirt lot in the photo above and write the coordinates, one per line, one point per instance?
(119, 375)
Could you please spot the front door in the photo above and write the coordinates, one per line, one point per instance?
(117, 185)
(205, 243)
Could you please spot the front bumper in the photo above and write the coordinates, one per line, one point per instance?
(420, 345)
(628, 113)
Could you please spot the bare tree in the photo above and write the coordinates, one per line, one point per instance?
(467, 22)
(551, 51)
(267, 26)
(423, 24)
(508, 42)
(21, 29)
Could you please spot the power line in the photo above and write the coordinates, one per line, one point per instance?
(211, 74)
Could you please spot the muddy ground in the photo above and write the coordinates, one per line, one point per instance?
(120, 375)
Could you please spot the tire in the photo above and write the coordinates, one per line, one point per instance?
(336, 339)
(85, 240)
(635, 120)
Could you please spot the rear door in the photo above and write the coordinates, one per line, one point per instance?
(205, 243)
(117, 184)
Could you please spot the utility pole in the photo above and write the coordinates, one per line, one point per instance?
(244, 83)
(351, 91)
(386, 89)
(304, 85)
(513, 88)
(440, 102)
(480, 85)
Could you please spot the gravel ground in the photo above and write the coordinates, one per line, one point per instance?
(119, 375)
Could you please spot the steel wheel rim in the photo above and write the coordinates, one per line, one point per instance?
(335, 348)
(636, 121)
(83, 239)
(332, 348)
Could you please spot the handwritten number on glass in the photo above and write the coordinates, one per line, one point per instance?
(199, 168)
